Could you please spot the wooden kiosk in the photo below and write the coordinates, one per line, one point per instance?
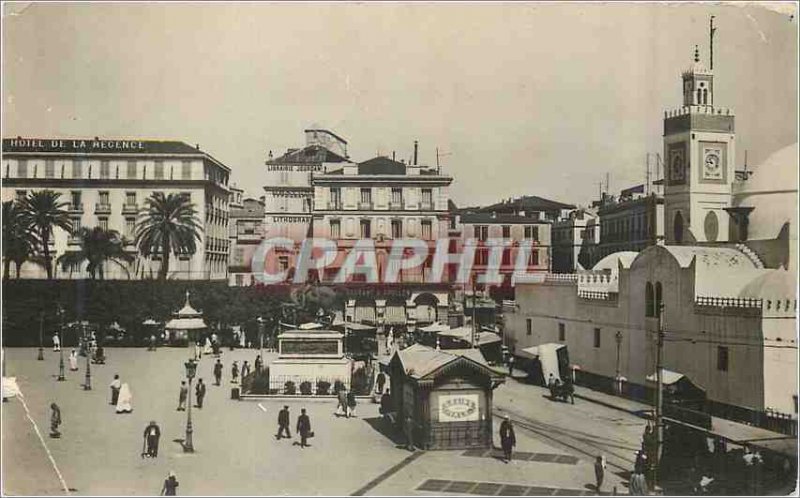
(448, 395)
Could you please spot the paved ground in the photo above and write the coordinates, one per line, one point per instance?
(237, 453)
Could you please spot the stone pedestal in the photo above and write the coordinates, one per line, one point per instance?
(309, 356)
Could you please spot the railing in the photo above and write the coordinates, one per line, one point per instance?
(130, 208)
(425, 206)
(601, 296)
(74, 239)
(396, 206)
(729, 302)
(102, 208)
(365, 205)
(75, 208)
(561, 277)
(335, 206)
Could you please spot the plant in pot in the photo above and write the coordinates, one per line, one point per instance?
(323, 387)
(338, 386)
(305, 388)
(289, 388)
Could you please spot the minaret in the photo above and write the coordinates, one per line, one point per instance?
(699, 152)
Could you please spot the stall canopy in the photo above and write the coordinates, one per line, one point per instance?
(310, 326)
(436, 327)
(668, 377)
(187, 318)
(547, 354)
(149, 322)
(465, 334)
(360, 327)
(678, 386)
(420, 361)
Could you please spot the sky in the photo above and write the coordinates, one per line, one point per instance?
(520, 98)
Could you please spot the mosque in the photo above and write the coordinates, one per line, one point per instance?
(726, 276)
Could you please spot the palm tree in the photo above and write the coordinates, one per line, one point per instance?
(97, 247)
(168, 224)
(42, 211)
(19, 241)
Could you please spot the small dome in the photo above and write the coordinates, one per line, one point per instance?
(777, 172)
(772, 284)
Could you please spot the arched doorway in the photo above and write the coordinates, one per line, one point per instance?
(427, 308)
(677, 227)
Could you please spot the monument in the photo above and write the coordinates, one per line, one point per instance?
(309, 356)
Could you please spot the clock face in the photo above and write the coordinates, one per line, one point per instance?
(712, 164)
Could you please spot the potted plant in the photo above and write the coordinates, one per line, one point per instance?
(305, 388)
(289, 388)
(323, 387)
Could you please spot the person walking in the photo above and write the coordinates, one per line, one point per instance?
(235, 373)
(259, 364)
(283, 423)
(507, 438)
(56, 342)
(182, 395)
(638, 485)
(599, 471)
(170, 485)
(245, 370)
(342, 400)
(408, 426)
(217, 372)
(152, 433)
(125, 401)
(381, 381)
(73, 361)
(55, 421)
(303, 427)
(115, 386)
(511, 365)
(200, 392)
(386, 406)
(351, 404)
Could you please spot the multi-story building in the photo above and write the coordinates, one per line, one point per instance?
(246, 233)
(572, 235)
(105, 183)
(288, 202)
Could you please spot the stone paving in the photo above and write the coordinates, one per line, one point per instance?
(236, 452)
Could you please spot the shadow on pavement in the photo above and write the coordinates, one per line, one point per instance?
(383, 427)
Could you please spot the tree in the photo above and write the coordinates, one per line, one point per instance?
(168, 224)
(19, 242)
(41, 212)
(96, 247)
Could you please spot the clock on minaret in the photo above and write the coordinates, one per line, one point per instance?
(712, 164)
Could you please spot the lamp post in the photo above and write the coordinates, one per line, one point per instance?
(618, 337)
(261, 337)
(87, 384)
(60, 313)
(41, 326)
(188, 447)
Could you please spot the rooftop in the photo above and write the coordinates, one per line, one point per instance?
(312, 154)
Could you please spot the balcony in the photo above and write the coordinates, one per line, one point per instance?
(101, 208)
(73, 239)
(335, 206)
(365, 206)
(426, 206)
(396, 206)
(130, 209)
(75, 208)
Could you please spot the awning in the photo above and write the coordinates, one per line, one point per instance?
(185, 324)
(668, 377)
(395, 315)
(360, 327)
(435, 327)
(149, 321)
(310, 326)
(364, 314)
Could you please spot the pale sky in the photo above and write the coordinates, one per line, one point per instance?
(520, 98)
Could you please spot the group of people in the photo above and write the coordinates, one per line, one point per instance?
(121, 396)
(199, 394)
(303, 426)
(346, 402)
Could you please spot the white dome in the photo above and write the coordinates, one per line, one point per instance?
(777, 172)
(773, 284)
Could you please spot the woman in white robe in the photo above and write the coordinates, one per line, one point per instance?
(125, 400)
(207, 349)
(73, 360)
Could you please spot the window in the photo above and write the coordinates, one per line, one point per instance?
(481, 257)
(158, 172)
(506, 256)
(532, 232)
(649, 301)
(49, 169)
(427, 198)
(562, 332)
(426, 230)
(283, 263)
(366, 196)
(130, 227)
(186, 171)
(597, 338)
(102, 223)
(75, 197)
(336, 229)
(722, 358)
(397, 229)
(506, 231)
(481, 232)
(21, 194)
(397, 197)
(131, 170)
(366, 229)
(658, 302)
(105, 170)
(238, 257)
(336, 198)
(130, 198)
(239, 280)
(103, 198)
(528, 326)
(22, 169)
(534, 259)
(76, 224)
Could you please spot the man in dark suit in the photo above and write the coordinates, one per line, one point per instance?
(303, 427)
(283, 423)
(217, 372)
(152, 433)
(507, 438)
(200, 392)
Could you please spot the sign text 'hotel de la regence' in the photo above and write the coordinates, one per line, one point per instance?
(72, 145)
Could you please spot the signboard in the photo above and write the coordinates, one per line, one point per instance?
(309, 347)
(458, 407)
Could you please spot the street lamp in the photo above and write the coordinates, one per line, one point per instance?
(41, 326)
(60, 313)
(191, 368)
(618, 337)
(87, 384)
(261, 336)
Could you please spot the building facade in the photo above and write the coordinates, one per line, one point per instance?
(246, 229)
(632, 222)
(105, 183)
(572, 235)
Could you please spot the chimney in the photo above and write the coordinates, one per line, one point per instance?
(416, 149)
(197, 146)
(393, 159)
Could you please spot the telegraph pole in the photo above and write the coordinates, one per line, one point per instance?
(659, 392)
(474, 313)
